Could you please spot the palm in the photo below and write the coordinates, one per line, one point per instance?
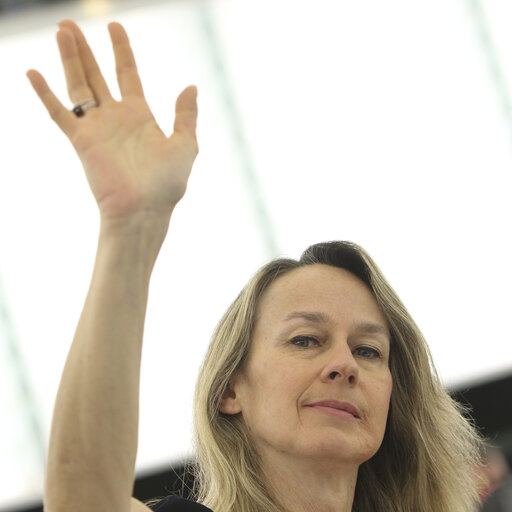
(144, 166)
(130, 164)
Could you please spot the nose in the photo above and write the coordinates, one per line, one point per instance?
(340, 365)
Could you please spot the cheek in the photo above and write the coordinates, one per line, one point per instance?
(377, 389)
(276, 384)
(382, 399)
(378, 415)
(273, 390)
(265, 410)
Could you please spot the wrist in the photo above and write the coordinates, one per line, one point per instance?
(137, 238)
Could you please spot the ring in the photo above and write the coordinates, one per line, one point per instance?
(80, 107)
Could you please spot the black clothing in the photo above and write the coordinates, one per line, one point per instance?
(177, 504)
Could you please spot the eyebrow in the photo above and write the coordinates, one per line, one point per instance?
(321, 318)
(311, 316)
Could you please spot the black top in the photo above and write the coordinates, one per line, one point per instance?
(177, 504)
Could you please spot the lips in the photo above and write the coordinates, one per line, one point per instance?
(336, 407)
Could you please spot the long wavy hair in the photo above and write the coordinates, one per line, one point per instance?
(429, 452)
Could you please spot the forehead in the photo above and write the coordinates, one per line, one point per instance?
(331, 290)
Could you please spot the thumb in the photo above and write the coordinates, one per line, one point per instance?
(185, 122)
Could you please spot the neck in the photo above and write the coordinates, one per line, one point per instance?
(311, 485)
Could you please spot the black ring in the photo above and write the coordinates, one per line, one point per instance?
(78, 111)
(80, 107)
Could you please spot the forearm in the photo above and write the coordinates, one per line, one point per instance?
(93, 440)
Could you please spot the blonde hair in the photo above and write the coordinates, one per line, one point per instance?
(427, 458)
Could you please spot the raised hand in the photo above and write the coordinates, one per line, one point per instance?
(131, 165)
(137, 175)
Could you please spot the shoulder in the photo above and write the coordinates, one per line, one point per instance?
(177, 504)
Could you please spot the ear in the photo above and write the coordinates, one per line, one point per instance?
(230, 403)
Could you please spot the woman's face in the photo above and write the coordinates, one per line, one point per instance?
(317, 381)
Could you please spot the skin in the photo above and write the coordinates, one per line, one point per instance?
(297, 361)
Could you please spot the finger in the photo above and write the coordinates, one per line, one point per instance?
(127, 75)
(89, 64)
(64, 119)
(78, 88)
(185, 122)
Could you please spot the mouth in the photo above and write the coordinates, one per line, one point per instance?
(336, 408)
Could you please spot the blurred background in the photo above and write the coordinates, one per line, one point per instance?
(385, 123)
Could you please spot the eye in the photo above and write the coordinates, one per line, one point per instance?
(304, 341)
(368, 352)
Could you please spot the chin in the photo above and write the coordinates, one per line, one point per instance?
(343, 448)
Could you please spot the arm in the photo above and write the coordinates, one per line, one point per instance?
(137, 176)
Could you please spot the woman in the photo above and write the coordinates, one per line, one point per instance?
(317, 392)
